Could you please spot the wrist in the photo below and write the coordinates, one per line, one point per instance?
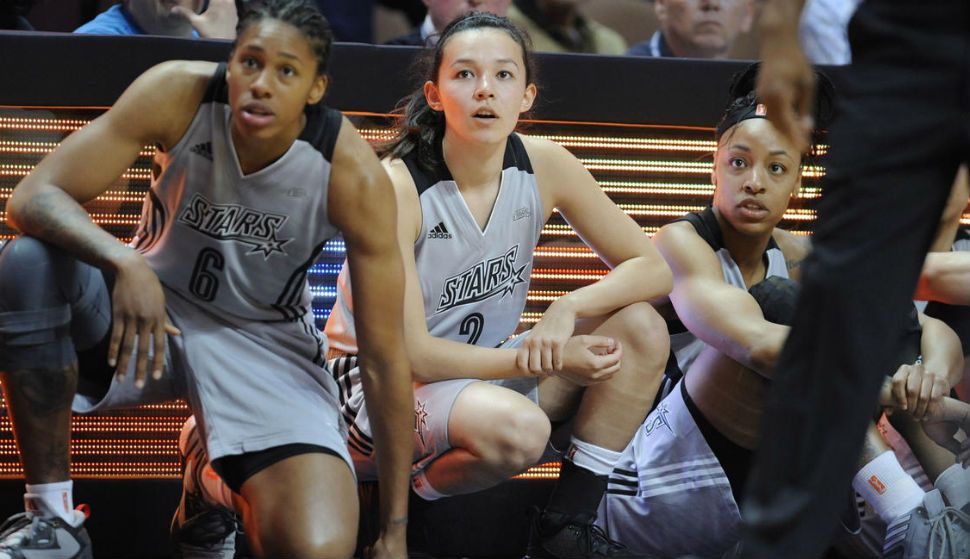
(124, 259)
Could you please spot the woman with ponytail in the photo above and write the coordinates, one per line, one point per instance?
(472, 197)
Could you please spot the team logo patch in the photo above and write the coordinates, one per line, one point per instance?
(232, 222)
(522, 212)
(204, 149)
(439, 232)
(877, 484)
(421, 421)
(657, 419)
(494, 277)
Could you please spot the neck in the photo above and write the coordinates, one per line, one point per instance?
(472, 164)
(682, 49)
(746, 250)
(255, 154)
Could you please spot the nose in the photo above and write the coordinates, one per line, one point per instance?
(483, 89)
(754, 183)
(260, 86)
(710, 5)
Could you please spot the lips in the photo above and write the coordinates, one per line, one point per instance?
(485, 114)
(256, 115)
(752, 209)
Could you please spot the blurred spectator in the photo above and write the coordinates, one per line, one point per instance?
(824, 30)
(697, 28)
(12, 14)
(441, 13)
(159, 17)
(557, 26)
(353, 20)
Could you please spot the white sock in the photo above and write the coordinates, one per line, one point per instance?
(594, 458)
(55, 498)
(887, 487)
(954, 483)
(422, 487)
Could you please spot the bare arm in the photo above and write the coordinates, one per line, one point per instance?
(945, 278)
(919, 387)
(156, 108)
(786, 83)
(361, 205)
(724, 316)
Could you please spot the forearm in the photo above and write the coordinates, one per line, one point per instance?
(50, 214)
(435, 359)
(946, 278)
(942, 350)
(635, 280)
(387, 387)
(779, 17)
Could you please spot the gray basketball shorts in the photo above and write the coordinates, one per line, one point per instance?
(433, 403)
(251, 385)
(668, 495)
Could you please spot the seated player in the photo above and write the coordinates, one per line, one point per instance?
(210, 301)
(677, 488)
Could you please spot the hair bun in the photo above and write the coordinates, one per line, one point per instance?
(743, 83)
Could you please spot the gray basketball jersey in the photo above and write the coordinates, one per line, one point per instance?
(685, 345)
(239, 245)
(474, 281)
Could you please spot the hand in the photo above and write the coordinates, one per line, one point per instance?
(542, 352)
(917, 389)
(942, 425)
(591, 359)
(786, 85)
(138, 310)
(218, 21)
(391, 544)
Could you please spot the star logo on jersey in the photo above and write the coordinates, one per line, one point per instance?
(421, 421)
(204, 149)
(489, 278)
(657, 419)
(233, 222)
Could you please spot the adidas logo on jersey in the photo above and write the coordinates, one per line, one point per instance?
(439, 232)
(204, 149)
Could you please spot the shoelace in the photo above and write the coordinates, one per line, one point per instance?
(941, 527)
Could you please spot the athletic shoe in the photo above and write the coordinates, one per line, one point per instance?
(930, 531)
(29, 535)
(576, 537)
(199, 530)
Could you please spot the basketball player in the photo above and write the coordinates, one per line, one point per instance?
(210, 300)
(677, 488)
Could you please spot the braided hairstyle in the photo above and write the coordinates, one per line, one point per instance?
(302, 14)
(420, 128)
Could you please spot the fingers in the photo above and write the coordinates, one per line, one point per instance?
(913, 384)
(923, 396)
(899, 385)
(186, 14)
(158, 357)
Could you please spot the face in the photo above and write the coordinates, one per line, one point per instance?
(443, 12)
(756, 172)
(272, 76)
(156, 16)
(703, 28)
(481, 85)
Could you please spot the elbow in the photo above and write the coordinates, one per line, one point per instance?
(763, 353)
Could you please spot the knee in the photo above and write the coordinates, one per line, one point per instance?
(520, 437)
(26, 266)
(642, 330)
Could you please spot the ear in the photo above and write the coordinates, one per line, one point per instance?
(432, 96)
(319, 87)
(798, 186)
(528, 98)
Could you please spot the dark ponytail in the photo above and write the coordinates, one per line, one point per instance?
(419, 127)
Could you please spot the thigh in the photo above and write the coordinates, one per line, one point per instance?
(480, 411)
(307, 501)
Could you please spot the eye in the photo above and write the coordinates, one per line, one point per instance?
(288, 71)
(504, 74)
(777, 168)
(737, 163)
(249, 62)
(464, 74)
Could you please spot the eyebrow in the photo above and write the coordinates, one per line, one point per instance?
(282, 53)
(745, 148)
(500, 61)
